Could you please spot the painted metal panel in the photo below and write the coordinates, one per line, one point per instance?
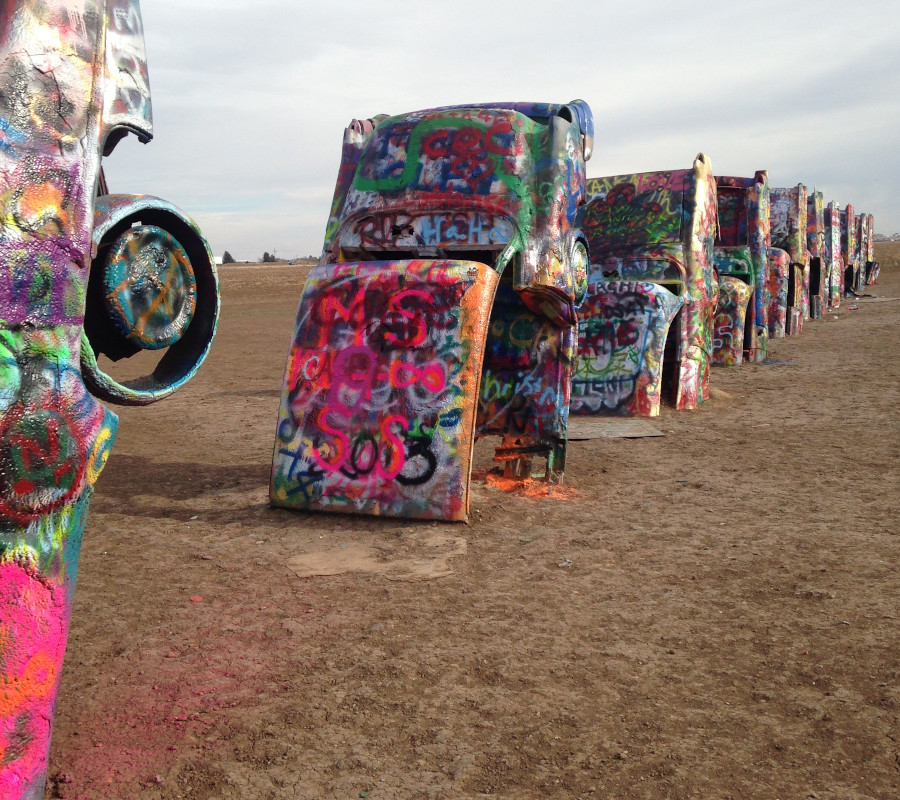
(731, 314)
(621, 344)
(378, 408)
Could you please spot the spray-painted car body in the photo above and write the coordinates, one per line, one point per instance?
(461, 221)
(787, 218)
(648, 228)
(850, 248)
(872, 267)
(780, 275)
(741, 328)
(815, 246)
(833, 268)
(73, 81)
(862, 248)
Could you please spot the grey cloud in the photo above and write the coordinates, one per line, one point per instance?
(250, 101)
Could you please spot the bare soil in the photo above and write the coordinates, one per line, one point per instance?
(710, 614)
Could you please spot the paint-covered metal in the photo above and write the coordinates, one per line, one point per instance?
(658, 227)
(490, 180)
(735, 296)
(849, 248)
(862, 250)
(379, 403)
(777, 292)
(741, 251)
(73, 81)
(787, 216)
(492, 186)
(815, 244)
(153, 286)
(833, 262)
(621, 345)
(873, 269)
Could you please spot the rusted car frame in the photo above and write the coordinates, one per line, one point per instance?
(451, 272)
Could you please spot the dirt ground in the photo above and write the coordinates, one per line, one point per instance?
(711, 614)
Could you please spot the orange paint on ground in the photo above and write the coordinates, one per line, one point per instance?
(527, 487)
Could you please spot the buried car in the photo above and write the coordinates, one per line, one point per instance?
(443, 308)
(833, 268)
(873, 270)
(815, 245)
(646, 326)
(787, 217)
(85, 280)
(741, 256)
(850, 249)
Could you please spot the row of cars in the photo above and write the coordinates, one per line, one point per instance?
(474, 282)
(464, 290)
(770, 259)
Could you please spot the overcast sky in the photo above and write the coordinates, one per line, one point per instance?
(250, 99)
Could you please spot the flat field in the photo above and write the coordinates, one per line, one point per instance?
(710, 614)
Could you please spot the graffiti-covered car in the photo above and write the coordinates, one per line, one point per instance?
(862, 249)
(865, 253)
(815, 247)
(787, 223)
(443, 308)
(833, 269)
(872, 267)
(83, 282)
(741, 256)
(646, 324)
(850, 248)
